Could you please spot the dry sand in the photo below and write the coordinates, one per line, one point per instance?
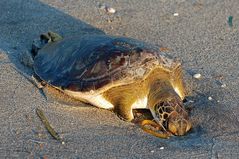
(198, 34)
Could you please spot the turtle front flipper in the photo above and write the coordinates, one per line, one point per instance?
(124, 111)
(157, 127)
(122, 98)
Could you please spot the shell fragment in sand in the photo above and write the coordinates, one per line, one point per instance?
(209, 98)
(197, 76)
(110, 10)
(223, 85)
(107, 8)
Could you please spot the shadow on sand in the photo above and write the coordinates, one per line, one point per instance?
(24, 20)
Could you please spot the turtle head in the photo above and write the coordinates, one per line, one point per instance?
(167, 107)
(171, 114)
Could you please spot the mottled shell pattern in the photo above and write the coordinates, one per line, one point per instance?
(91, 62)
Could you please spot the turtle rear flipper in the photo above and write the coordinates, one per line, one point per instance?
(45, 38)
(54, 36)
(124, 112)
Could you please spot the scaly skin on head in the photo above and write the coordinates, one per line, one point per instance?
(167, 108)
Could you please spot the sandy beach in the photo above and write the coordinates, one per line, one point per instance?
(203, 34)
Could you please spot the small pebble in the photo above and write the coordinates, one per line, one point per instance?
(110, 10)
(209, 98)
(175, 14)
(161, 148)
(197, 75)
(223, 85)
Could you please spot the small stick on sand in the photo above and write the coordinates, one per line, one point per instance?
(49, 128)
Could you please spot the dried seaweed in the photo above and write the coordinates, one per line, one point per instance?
(47, 125)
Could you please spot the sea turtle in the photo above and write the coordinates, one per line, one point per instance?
(116, 73)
